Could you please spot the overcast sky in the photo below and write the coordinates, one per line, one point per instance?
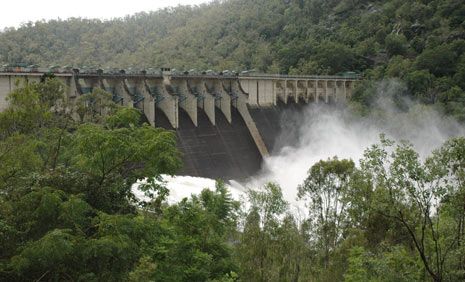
(15, 12)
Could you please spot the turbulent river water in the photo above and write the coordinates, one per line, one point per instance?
(326, 131)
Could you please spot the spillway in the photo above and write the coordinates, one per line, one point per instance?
(225, 123)
(273, 121)
(224, 150)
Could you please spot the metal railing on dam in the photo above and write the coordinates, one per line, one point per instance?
(214, 115)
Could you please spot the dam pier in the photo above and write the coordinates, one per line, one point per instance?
(225, 123)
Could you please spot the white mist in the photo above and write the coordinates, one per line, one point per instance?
(326, 131)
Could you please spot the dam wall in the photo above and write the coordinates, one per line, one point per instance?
(225, 124)
(224, 150)
(277, 124)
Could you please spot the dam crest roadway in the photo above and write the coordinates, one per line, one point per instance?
(225, 123)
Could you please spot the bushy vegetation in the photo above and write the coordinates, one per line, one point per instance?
(68, 211)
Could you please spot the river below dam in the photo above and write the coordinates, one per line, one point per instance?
(320, 131)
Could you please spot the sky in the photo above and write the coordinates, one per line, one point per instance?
(14, 12)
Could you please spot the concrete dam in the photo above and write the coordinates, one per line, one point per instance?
(225, 123)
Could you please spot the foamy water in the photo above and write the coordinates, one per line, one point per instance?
(181, 187)
(324, 132)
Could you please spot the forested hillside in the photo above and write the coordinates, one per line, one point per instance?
(68, 211)
(421, 42)
(310, 36)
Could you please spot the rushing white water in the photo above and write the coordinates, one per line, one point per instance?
(324, 132)
(184, 186)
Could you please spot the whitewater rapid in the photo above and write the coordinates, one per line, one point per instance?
(325, 131)
(181, 187)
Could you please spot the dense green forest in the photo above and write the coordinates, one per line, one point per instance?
(68, 212)
(67, 208)
(422, 42)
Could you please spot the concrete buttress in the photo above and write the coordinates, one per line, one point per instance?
(149, 102)
(227, 122)
(222, 98)
(205, 99)
(250, 86)
(166, 100)
(186, 99)
(253, 130)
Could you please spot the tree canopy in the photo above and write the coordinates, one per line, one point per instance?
(68, 211)
(380, 39)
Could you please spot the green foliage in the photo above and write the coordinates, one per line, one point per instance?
(94, 106)
(271, 247)
(333, 35)
(200, 228)
(396, 44)
(268, 204)
(459, 76)
(396, 264)
(325, 190)
(124, 117)
(67, 208)
(17, 157)
(67, 211)
(418, 42)
(439, 61)
(126, 151)
(335, 57)
(411, 192)
(398, 67)
(454, 101)
(143, 271)
(57, 246)
(29, 110)
(420, 83)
